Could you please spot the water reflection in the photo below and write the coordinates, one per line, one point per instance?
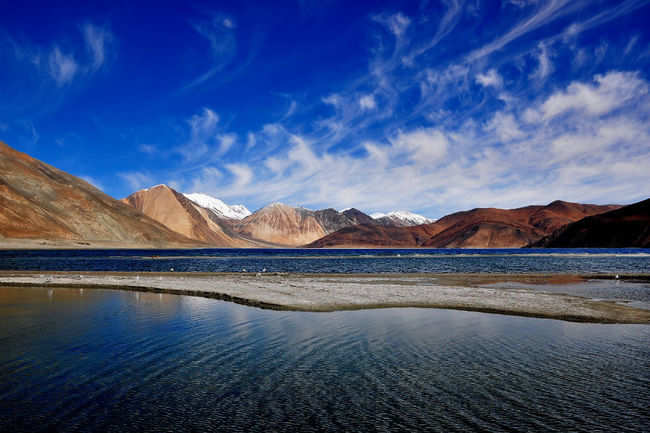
(130, 361)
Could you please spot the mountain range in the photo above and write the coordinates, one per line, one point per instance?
(43, 206)
(476, 228)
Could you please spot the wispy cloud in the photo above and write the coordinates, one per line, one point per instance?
(62, 67)
(491, 164)
(149, 149)
(66, 62)
(136, 180)
(219, 31)
(367, 102)
(549, 11)
(490, 78)
(96, 39)
(544, 64)
(437, 130)
(207, 140)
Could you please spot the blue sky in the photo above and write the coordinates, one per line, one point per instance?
(431, 106)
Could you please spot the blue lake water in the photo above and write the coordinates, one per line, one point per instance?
(339, 261)
(112, 361)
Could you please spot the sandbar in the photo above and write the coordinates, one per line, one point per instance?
(332, 292)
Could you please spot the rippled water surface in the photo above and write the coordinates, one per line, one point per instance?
(96, 360)
(340, 261)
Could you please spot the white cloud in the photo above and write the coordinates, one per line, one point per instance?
(302, 154)
(376, 153)
(333, 100)
(547, 13)
(35, 135)
(631, 44)
(423, 146)
(220, 33)
(499, 162)
(396, 23)
(96, 39)
(243, 174)
(250, 140)
(203, 134)
(490, 78)
(505, 126)
(544, 64)
(610, 91)
(277, 165)
(367, 102)
(271, 128)
(522, 3)
(225, 142)
(62, 67)
(601, 51)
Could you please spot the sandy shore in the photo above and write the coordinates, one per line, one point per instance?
(305, 292)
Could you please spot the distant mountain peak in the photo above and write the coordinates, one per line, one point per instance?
(403, 218)
(160, 185)
(218, 207)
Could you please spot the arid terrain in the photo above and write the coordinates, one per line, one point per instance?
(477, 228)
(40, 204)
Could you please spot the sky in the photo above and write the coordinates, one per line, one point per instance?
(429, 106)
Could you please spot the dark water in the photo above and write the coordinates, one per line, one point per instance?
(114, 361)
(342, 261)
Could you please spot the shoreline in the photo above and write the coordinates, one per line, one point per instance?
(15, 244)
(335, 292)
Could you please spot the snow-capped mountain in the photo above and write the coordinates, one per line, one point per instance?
(221, 209)
(401, 218)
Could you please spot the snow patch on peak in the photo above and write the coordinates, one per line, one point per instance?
(218, 207)
(403, 217)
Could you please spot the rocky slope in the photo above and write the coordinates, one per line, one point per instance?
(628, 226)
(40, 202)
(182, 215)
(291, 226)
(477, 228)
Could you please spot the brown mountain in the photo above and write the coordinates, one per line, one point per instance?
(290, 226)
(40, 202)
(376, 236)
(628, 226)
(477, 228)
(183, 216)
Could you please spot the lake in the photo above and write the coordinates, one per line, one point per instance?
(334, 261)
(114, 361)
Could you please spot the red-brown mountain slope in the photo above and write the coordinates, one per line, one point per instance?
(628, 226)
(38, 201)
(477, 228)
